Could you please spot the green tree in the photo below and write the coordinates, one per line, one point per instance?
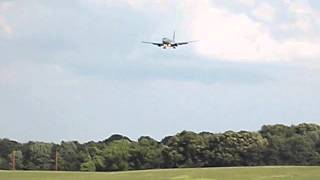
(88, 166)
(18, 160)
(183, 150)
(295, 145)
(272, 145)
(235, 148)
(116, 155)
(37, 156)
(71, 155)
(96, 152)
(146, 154)
(6, 148)
(4, 163)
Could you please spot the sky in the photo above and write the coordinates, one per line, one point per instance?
(77, 70)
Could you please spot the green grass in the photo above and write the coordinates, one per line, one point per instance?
(252, 173)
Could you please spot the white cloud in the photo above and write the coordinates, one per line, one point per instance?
(265, 12)
(249, 3)
(305, 18)
(298, 7)
(227, 34)
(136, 4)
(233, 36)
(66, 70)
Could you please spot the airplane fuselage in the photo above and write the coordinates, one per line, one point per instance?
(167, 43)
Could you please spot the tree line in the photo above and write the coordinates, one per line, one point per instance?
(271, 145)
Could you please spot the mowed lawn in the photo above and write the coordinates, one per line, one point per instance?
(243, 173)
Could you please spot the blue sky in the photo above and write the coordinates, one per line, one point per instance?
(77, 70)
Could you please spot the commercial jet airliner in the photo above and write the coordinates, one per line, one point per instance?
(168, 43)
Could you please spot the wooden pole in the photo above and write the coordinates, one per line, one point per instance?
(56, 160)
(13, 160)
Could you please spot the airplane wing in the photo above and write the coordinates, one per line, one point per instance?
(183, 43)
(157, 44)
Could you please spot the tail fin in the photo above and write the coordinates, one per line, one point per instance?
(174, 36)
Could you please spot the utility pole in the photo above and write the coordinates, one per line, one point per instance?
(56, 160)
(13, 160)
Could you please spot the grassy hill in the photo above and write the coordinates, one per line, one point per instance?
(251, 173)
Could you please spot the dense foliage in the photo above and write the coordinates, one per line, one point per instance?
(272, 145)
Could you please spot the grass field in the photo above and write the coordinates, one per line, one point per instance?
(253, 173)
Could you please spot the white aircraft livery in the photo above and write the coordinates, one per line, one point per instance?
(169, 43)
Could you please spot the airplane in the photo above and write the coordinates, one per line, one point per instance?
(169, 43)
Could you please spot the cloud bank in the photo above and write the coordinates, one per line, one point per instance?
(253, 37)
(79, 66)
(246, 30)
